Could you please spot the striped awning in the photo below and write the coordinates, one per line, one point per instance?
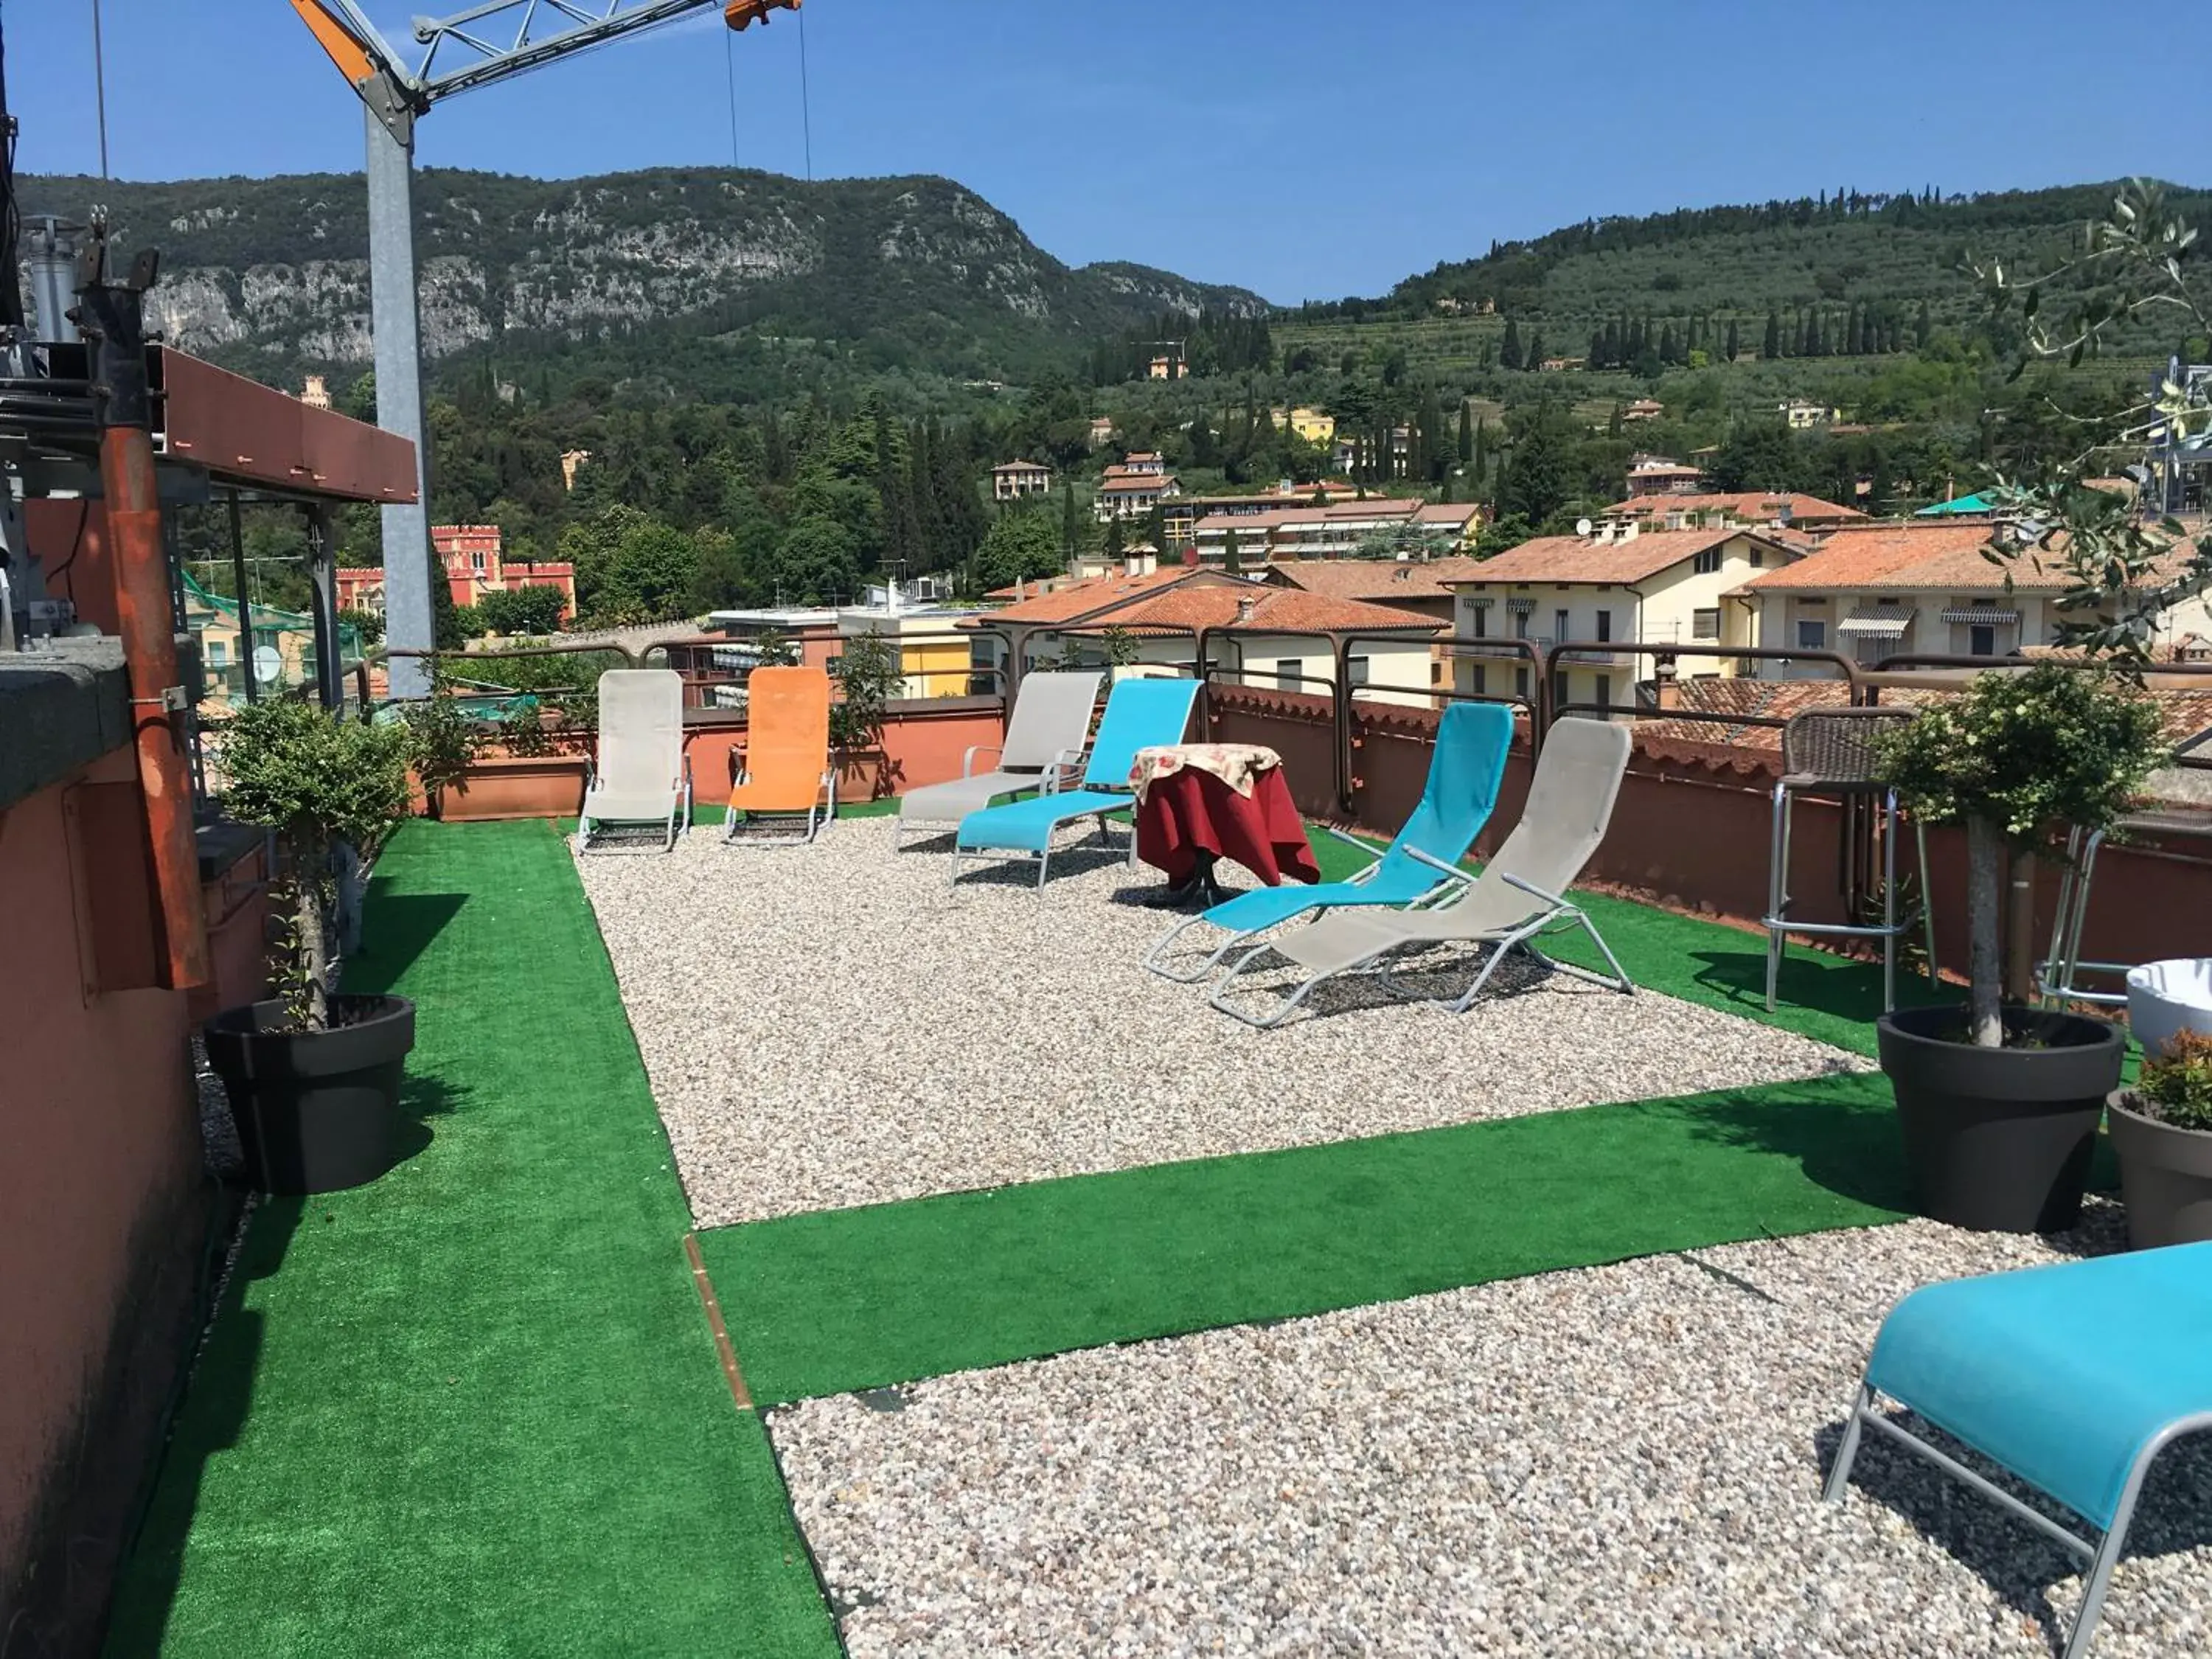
(1480, 604)
(1880, 622)
(1987, 618)
(1519, 604)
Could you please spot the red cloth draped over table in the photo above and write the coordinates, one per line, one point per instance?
(1186, 806)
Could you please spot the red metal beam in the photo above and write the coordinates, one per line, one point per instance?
(255, 437)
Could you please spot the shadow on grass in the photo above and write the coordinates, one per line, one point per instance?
(2013, 1559)
(216, 1402)
(1827, 984)
(398, 928)
(1850, 1146)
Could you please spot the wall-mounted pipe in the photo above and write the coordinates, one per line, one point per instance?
(110, 315)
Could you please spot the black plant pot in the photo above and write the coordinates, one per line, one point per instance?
(2165, 1176)
(2000, 1138)
(317, 1111)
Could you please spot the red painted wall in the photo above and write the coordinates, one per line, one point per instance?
(104, 1212)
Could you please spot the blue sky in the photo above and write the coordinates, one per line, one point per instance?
(1306, 149)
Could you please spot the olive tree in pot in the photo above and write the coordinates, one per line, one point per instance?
(1999, 1104)
(313, 1076)
(2162, 1131)
(868, 675)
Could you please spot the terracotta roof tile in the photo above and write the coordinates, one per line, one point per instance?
(1897, 556)
(1068, 600)
(1578, 559)
(1378, 581)
(1291, 608)
(1757, 505)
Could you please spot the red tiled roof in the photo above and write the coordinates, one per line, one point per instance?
(1214, 604)
(1759, 505)
(1021, 467)
(1892, 556)
(1068, 600)
(1378, 581)
(1134, 483)
(1579, 559)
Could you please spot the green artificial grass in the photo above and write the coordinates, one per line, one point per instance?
(838, 1300)
(474, 1408)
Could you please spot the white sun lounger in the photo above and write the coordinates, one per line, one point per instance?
(1045, 736)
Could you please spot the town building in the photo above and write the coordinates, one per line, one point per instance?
(1617, 584)
(316, 394)
(475, 563)
(1162, 610)
(1661, 475)
(570, 460)
(1133, 487)
(1166, 367)
(934, 657)
(1885, 590)
(1310, 424)
(1787, 507)
(1014, 481)
(1101, 431)
(1643, 408)
(1275, 531)
(1800, 415)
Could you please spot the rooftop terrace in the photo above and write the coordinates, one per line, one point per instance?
(831, 1257)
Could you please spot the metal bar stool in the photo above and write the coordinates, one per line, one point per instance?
(1830, 752)
(2059, 976)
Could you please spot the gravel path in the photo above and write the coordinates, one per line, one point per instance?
(1620, 1462)
(832, 1025)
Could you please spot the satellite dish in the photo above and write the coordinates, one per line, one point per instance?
(1582, 527)
(268, 663)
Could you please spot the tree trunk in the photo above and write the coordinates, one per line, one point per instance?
(1985, 873)
(315, 939)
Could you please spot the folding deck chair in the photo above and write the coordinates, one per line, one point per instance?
(1464, 770)
(1140, 714)
(639, 773)
(787, 768)
(1518, 898)
(1045, 733)
(2072, 1378)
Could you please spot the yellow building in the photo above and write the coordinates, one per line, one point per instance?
(1310, 424)
(936, 662)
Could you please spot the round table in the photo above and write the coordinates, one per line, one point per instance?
(1198, 802)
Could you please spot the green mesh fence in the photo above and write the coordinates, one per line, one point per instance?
(277, 648)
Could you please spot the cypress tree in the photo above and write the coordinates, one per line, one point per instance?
(1466, 446)
(1232, 558)
(1771, 347)
(1509, 354)
(1535, 357)
(1070, 526)
(1923, 326)
(1734, 341)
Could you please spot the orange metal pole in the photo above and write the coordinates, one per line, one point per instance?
(110, 317)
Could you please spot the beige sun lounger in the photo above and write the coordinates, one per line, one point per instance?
(1518, 897)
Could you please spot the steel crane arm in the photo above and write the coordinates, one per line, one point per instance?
(495, 39)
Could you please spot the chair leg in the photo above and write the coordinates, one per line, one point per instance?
(1778, 896)
(1889, 903)
(1926, 905)
(1847, 1450)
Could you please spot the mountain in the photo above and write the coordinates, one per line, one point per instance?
(628, 273)
(1837, 249)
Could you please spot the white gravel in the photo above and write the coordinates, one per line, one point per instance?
(1620, 1462)
(832, 1025)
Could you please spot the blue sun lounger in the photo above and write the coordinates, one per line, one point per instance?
(1140, 714)
(2074, 1377)
(1464, 770)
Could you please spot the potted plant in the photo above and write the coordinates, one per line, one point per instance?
(2162, 1131)
(868, 676)
(1999, 1104)
(313, 1076)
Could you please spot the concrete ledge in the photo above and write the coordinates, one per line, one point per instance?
(60, 709)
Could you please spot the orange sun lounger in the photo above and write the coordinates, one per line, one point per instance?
(787, 761)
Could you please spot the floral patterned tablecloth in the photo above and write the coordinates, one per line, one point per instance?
(1235, 763)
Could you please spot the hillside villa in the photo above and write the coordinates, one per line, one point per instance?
(1014, 481)
(1661, 475)
(1132, 486)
